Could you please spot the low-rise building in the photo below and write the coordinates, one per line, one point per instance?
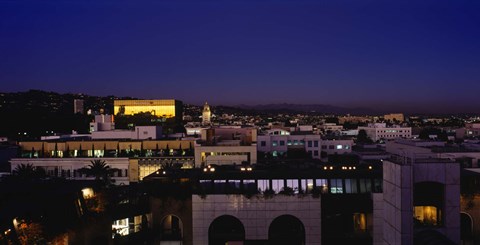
(380, 131)
(278, 142)
(70, 168)
(394, 117)
(226, 146)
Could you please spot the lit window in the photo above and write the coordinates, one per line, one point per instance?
(322, 184)
(293, 183)
(359, 222)
(277, 185)
(274, 143)
(336, 186)
(120, 227)
(339, 147)
(263, 184)
(307, 185)
(351, 186)
(427, 215)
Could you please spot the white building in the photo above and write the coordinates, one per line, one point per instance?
(330, 127)
(279, 141)
(380, 131)
(102, 123)
(140, 133)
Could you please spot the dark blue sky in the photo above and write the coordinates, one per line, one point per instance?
(381, 54)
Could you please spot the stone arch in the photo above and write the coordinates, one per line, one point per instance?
(466, 226)
(286, 229)
(171, 228)
(225, 228)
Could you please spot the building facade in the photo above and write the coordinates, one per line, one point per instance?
(278, 142)
(380, 131)
(160, 108)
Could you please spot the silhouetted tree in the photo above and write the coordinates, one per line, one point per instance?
(28, 172)
(100, 170)
(362, 137)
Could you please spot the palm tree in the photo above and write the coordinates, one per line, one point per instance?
(28, 172)
(100, 170)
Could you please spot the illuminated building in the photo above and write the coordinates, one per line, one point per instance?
(206, 115)
(399, 117)
(160, 108)
(135, 158)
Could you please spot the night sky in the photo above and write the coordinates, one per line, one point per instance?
(394, 55)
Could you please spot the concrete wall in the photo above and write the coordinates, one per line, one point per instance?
(449, 175)
(398, 185)
(256, 214)
(397, 204)
(378, 216)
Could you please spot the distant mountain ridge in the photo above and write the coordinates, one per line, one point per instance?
(311, 108)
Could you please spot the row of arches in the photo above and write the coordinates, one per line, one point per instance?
(285, 229)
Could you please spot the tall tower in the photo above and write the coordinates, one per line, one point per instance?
(206, 115)
(78, 106)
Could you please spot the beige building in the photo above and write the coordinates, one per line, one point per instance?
(399, 117)
(160, 108)
(226, 146)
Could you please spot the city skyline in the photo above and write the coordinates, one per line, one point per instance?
(398, 56)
